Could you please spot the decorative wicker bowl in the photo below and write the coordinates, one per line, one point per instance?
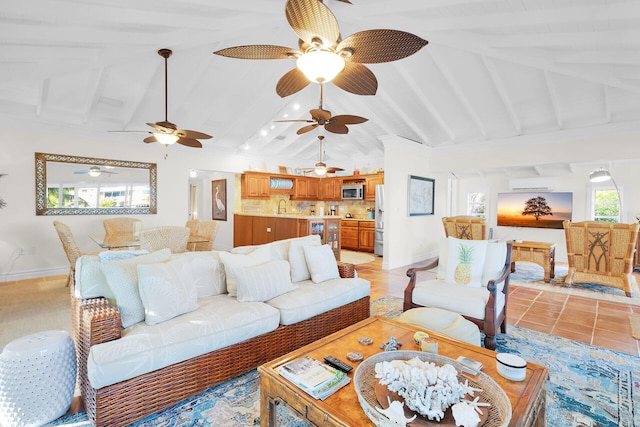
(364, 382)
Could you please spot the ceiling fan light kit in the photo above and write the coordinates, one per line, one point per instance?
(321, 42)
(94, 171)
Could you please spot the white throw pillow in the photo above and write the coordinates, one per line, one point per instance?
(167, 290)
(494, 260)
(207, 271)
(90, 280)
(297, 260)
(122, 278)
(263, 282)
(322, 263)
(106, 256)
(465, 261)
(233, 262)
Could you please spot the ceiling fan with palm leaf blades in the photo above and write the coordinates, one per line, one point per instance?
(94, 171)
(166, 132)
(321, 168)
(322, 117)
(324, 56)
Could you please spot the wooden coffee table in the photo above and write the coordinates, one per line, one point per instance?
(343, 409)
(541, 253)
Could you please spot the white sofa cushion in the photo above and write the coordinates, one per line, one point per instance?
(167, 290)
(207, 270)
(297, 259)
(465, 261)
(233, 262)
(122, 277)
(321, 262)
(263, 282)
(219, 322)
(90, 281)
(311, 299)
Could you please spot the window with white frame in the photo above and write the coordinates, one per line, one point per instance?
(606, 204)
(476, 204)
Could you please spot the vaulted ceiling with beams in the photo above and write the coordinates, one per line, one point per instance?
(493, 70)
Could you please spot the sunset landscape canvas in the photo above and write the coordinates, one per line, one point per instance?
(539, 210)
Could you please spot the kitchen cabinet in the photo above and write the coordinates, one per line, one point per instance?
(636, 258)
(358, 235)
(259, 229)
(366, 236)
(305, 188)
(331, 189)
(370, 185)
(255, 185)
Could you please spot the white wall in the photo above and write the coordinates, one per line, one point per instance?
(409, 239)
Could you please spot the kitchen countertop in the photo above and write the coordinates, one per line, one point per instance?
(358, 219)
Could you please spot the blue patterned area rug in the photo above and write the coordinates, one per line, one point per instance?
(588, 387)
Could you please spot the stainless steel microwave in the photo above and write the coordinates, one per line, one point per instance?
(353, 192)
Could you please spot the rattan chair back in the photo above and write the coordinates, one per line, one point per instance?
(205, 230)
(69, 245)
(172, 237)
(465, 227)
(121, 225)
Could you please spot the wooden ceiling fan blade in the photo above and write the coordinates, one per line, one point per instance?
(306, 129)
(347, 119)
(150, 139)
(190, 142)
(258, 52)
(192, 134)
(336, 128)
(334, 170)
(377, 46)
(357, 79)
(311, 19)
(319, 114)
(292, 82)
(294, 121)
(165, 127)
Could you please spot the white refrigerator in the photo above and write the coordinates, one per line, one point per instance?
(379, 217)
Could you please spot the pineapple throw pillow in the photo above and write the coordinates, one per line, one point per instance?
(465, 261)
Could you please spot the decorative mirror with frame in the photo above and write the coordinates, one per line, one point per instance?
(76, 185)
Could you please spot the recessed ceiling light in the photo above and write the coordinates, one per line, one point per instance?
(263, 132)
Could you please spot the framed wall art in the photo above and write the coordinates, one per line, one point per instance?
(420, 195)
(219, 199)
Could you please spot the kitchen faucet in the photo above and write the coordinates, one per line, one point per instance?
(284, 208)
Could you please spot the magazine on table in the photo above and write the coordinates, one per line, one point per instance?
(314, 377)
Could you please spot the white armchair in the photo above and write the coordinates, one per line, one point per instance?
(472, 279)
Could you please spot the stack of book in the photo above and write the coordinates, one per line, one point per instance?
(314, 377)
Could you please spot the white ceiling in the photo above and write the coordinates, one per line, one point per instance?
(493, 69)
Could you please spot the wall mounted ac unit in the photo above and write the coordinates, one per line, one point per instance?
(533, 184)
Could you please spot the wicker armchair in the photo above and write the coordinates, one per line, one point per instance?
(601, 253)
(69, 245)
(172, 237)
(465, 227)
(122, 225)
(202, 230)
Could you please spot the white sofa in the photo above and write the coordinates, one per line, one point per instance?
(185, 322)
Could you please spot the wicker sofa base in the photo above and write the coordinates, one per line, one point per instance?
(134, 399)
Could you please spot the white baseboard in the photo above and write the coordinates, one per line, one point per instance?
(33, 274)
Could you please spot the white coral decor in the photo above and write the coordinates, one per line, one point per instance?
(426, 388)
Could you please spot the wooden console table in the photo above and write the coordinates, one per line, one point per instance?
(541, 253)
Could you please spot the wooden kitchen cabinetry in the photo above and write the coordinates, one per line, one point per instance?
(366, 235)
(305, 188)
(370, 185)
(358, 235)
(331, 189)
(255, 185)
(636, 257)
(349, 234)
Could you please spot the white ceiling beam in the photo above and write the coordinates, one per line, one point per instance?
(573, 40)
(617, 57)
(385, 7)
(446, 72)
(415, 87)
(607, 103)
(42, 98)
(553, 95)
(410, 123)
(503, 93)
